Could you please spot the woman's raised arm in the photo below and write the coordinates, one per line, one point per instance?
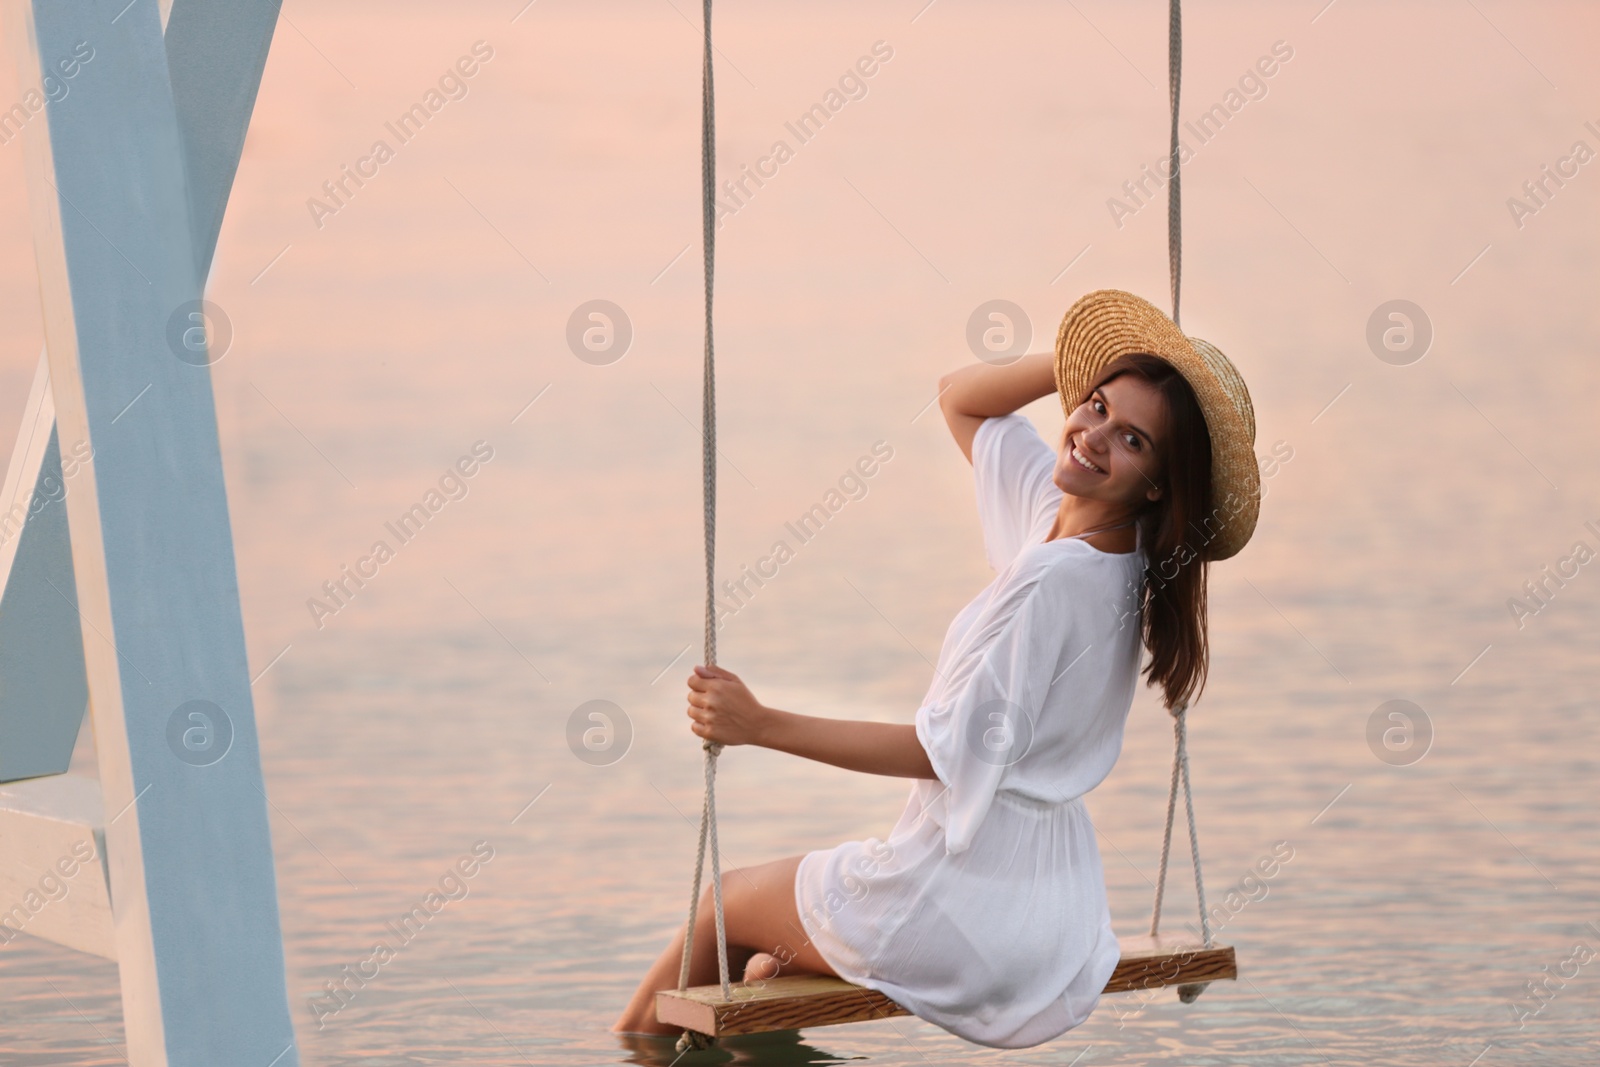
(983, 390)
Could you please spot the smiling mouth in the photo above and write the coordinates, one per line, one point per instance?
(1082, 462)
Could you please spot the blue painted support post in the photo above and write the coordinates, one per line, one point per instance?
(43, 693)
(216, 51)
(188, 846)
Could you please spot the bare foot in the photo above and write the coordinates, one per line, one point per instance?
(638, 1019)
(629, 1026)
(762, 966)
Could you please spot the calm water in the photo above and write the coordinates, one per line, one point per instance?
(428, 311)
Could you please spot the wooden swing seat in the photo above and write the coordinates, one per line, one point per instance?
(807, 1000)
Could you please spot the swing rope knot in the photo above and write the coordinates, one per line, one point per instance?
(693, 1039)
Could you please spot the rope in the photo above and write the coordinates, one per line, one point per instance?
(1181, 773)
(1174, 220)
(1180, 756)
(1180, 770)
(708, 416)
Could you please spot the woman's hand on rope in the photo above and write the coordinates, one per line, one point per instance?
(726, 712)
(723, 709)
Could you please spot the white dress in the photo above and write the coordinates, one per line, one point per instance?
(985, 911)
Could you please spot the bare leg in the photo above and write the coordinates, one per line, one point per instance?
(761, 918)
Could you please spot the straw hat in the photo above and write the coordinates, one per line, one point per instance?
(1109, 323)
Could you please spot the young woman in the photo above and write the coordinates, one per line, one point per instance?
(985, 910)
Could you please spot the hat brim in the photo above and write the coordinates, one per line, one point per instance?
(1109, 323)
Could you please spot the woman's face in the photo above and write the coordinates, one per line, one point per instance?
(1121, 430)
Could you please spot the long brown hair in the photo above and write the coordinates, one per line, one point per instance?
(1173, 596)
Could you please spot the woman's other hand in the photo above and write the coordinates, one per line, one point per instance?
(723, 709)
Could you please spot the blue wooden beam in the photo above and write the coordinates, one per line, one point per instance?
(216, 52)
(188, 844)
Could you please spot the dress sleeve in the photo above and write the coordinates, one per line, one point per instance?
(980, 720)
(1012, 467)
